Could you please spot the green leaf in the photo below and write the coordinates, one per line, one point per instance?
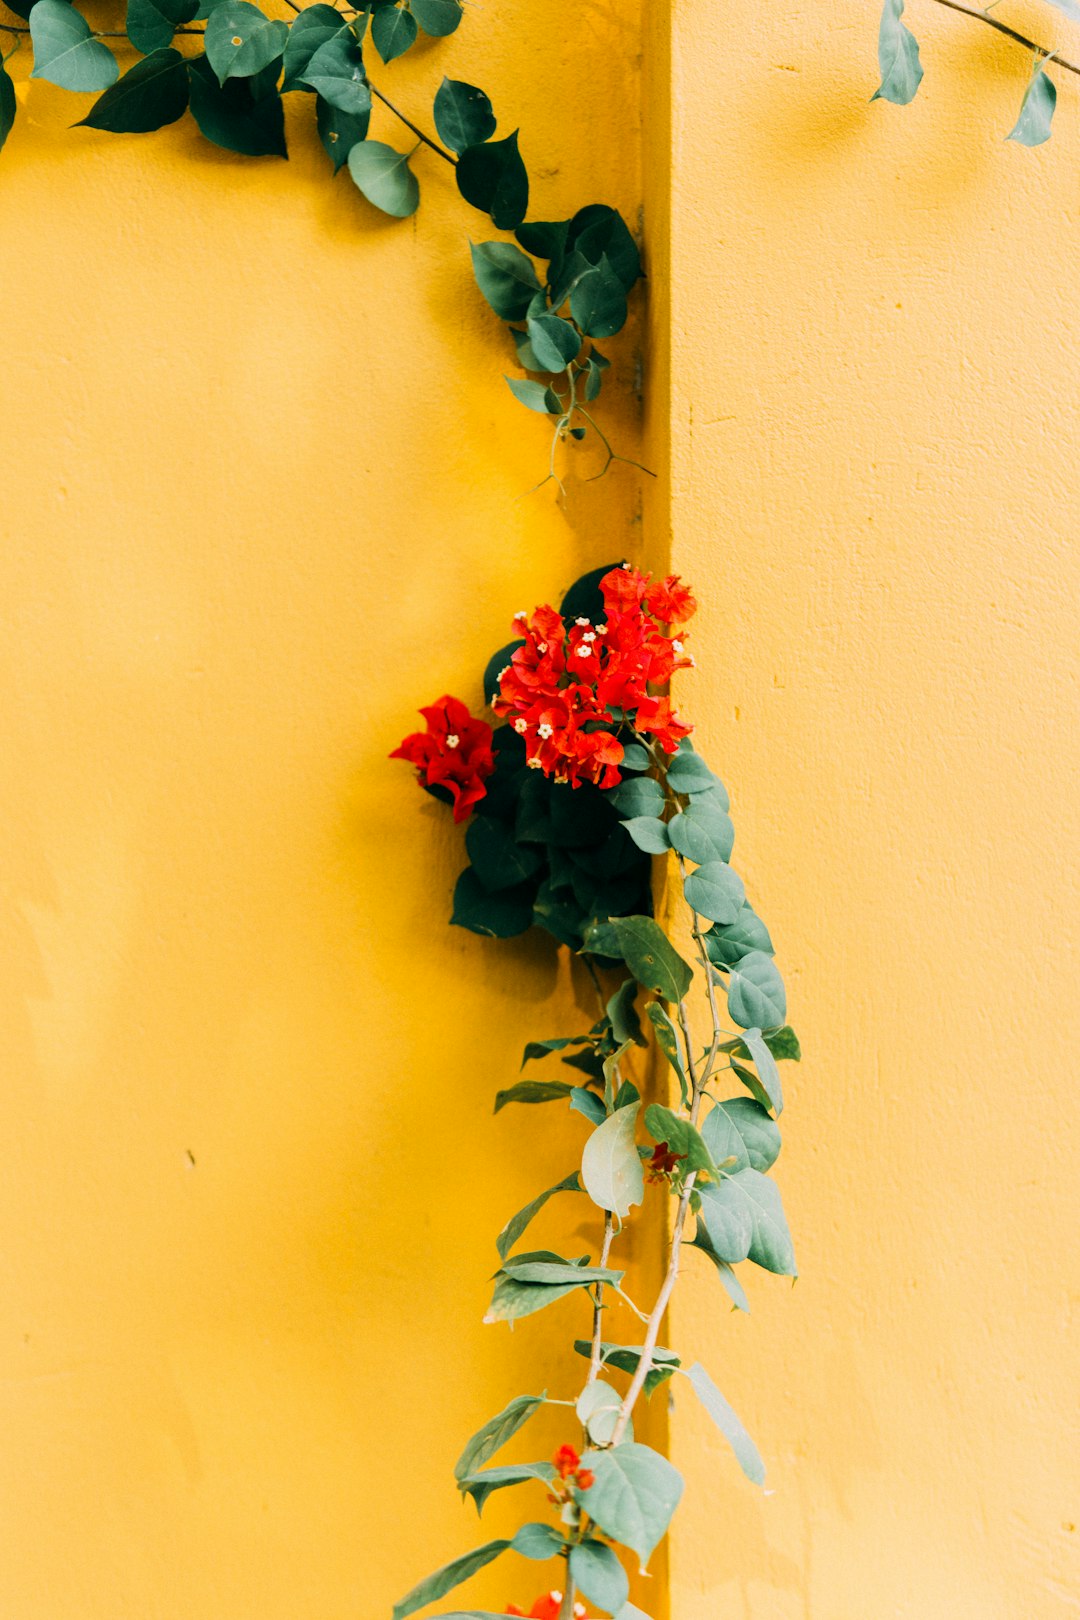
(625, 1358)
(703, 832)
(768, 1073)
(727, 945)
(589, 1104)
(241, 41)
(555, 1272)
(463, 115)
(500, 916)
(643, 796)
(538, 1541)
(481, 1486)
(744, 1218)
(668, 1041)
(504, 275)
(716, 892)
(336, 71)
(633, 1496)
(559, 1043)
(437, 17)
(688, 773)
(66, 52)
(151, 94)
(598, 301)
(611, 1171)
(498, 859)
(682, 1138)
(554, 341)
(898, 57)
(755, 994)
(8, 104)
(533, 394)
(599, 1576)
(515, 1297)
(651, 957)
(517, 1224)
(232, 116)
(728, 1423)
(312, 29)
(532, 1091)
(393, 30)
(492, 177)
(339, 131)
(782, 1043)
(598, 1409)
(493, 1435)
(733, 1287)
(649, 834)
(151, 24)
(622, 1016)
(599, 231)
(1032, 127)
(743, 1130)
(450, 1575)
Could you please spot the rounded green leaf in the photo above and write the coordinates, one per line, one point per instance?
(554, 341)
(336, 71)
(643, 796)
(898, 57)
(463, 115)
(437, 17)
(151, 24)
(634, 1493)
(611, 1170)
(233, 115)
(1032, 127)
(598, 1411)
(505, 276)
(756, 996)
(339, 131)
(493, 1435)
(393, 30)
(531, 394)
(8, 104)
(150, 95)
(740, 1129)
(728, 1422)
(492, 177)
(66, 52)
(241, 41)
(649, 834)
(450, 1575)
(599, 1576)
(651, 957)
(716, 892)
(728, 945)
(598, 301)
(384, 177)
(704, 831)
(313, 28)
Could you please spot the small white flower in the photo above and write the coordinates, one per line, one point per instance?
(544, 731)
(521, 727)
(590, 635)
(520, 614)
(504, 671)
(584, 649)
(601, 629)
(452, 739)
(533, 764)
(627, 567)
(541, 646)
(583, 622)
(677, 648)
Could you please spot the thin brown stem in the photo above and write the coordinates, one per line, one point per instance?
(1010, 33)
(434, 145)
(595, 1360)
(100, 33)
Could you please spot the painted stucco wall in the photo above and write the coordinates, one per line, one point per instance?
(874, 414)
(260, 500)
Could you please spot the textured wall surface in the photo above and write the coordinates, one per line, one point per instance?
(261, 499)
(874, 418)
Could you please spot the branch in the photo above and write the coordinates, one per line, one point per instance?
(427, 140)
(1010, 33)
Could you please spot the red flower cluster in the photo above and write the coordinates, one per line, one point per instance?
(663, 1162)
(560, 688)
(568, 1466)
(547, 1608)
(454, 753)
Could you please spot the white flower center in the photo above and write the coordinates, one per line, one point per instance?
(544, 731)
(452, 739)
(521, 727)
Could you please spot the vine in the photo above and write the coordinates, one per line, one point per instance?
(567, 805)
(902, 70)
(561, 286)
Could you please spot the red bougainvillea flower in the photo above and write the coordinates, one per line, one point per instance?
(547, 1608)
(568, 1467)
(453, 754)
(561, 688)
(663, 1162)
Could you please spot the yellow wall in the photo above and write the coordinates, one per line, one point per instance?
(260, 501)
(874, 420)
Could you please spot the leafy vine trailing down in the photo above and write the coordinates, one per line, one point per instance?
(902, 71)
(566, 806)
(561, 286)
